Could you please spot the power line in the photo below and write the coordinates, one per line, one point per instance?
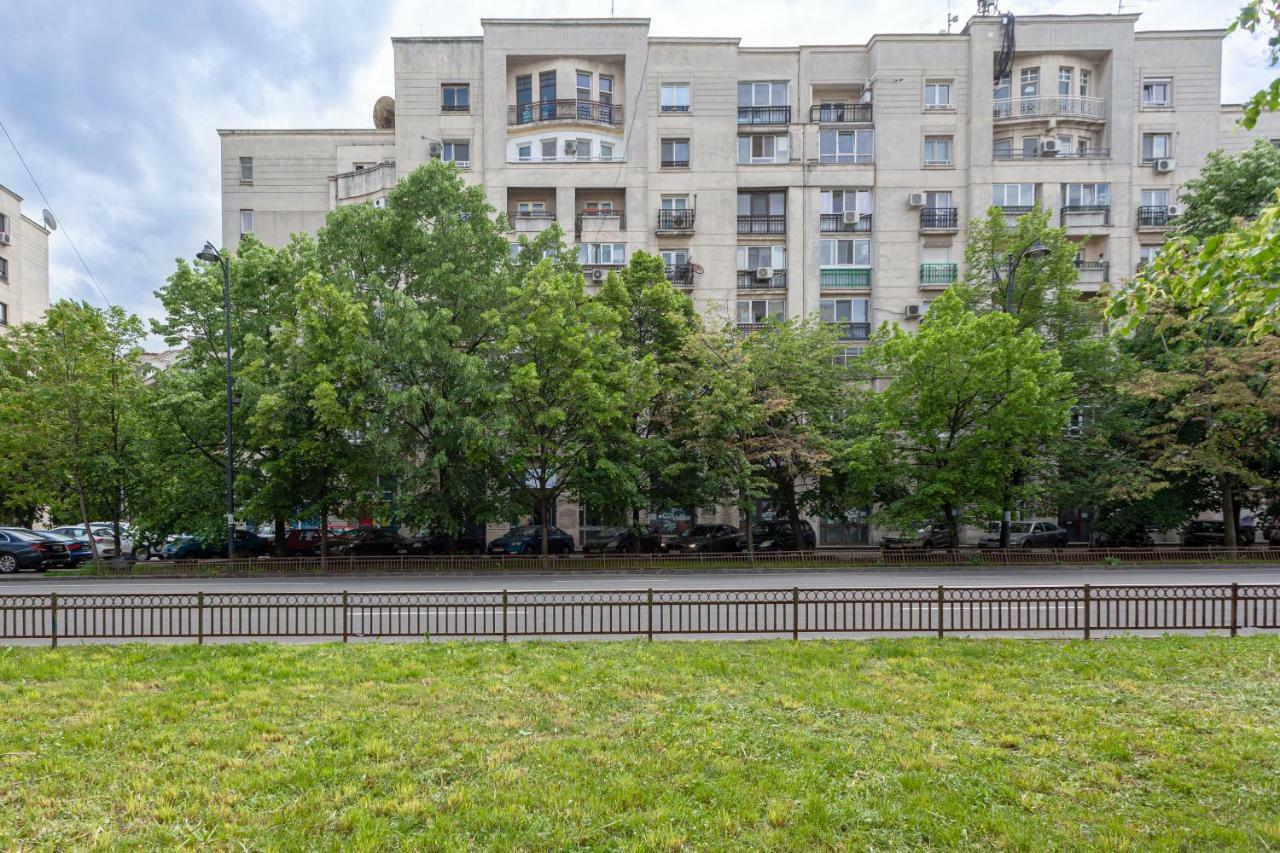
(49, 205)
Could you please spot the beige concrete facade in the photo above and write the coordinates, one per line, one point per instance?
(617, 135)
(24, 263)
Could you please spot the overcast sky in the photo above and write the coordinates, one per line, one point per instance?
(115, 104)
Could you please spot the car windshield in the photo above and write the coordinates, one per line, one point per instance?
(1017, 527)
(25, 535)
(766, 528)
(698, 530)
(56, 537)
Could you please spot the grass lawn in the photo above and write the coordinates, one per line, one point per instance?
(1116, 744)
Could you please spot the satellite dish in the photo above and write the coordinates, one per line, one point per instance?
(384, 113)
(49, 221)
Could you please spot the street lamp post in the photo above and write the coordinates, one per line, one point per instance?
(1037, 249)
(212, 255)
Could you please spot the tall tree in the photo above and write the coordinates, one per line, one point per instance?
(1229, 187)
(1261, 16)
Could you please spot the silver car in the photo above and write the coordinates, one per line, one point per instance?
(1026, 534)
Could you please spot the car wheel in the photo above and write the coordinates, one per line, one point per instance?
(1026, 543)
(140, 553)
(8, 564)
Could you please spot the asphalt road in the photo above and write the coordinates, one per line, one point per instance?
(710, 605)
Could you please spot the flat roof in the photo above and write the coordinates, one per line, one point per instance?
(306, 131)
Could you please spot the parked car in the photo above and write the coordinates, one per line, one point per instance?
(16, 555)
(527, 539)
(596, 540)
(78, 550)
(1027, 534)
(627, 540)
(107, 530)
(706, 539)
(1211, 533)
(106, 547)
(371, 542)
(54, 554)
(470, 540)
(1273, 536)
(927, 538)
(1139, 538)
(778, 536)
(247, 544)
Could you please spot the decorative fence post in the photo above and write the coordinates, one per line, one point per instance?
(200, 616)
(941, 605)
(1087, 608)
(650, 618)
(795, 612)
(346, 616)
(53, 618)
(1235, 600)
(504, 616)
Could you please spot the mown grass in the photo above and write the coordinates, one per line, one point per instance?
(890, 744)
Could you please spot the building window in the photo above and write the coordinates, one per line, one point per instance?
(1065, 73)
(1087, 195)
(1030, 146)
(4, 314)
(1003, 90)
(675, 153)
(1029, 83)
(754, 257)
(1002, 149)
(4, 270)
(606, 89)
(525, 151)
(609, 254)
(531, 208)
(1147, 254)
(4, 224)
(246, 175)
(606, 150)
(763, 94)
(458, 152)
(844, 310)
(937, 95)
(455, 97)
(937, 151)
(844, 253)
(246, 222)
(845, 146)
(1156, 146)
(524, 94)
(1013, 195)
(674, 98)
(761, 310)
(1157, 92)
(764, 149)
(1084, 82)
(838, 201)
(548, 149)
(584, 85)
(843, 358)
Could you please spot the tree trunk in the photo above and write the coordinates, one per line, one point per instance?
(281, 536)
(751, 545)
(953, 530)
(324, 537)
(543, 511)
(793, 516)
(84, 519)
(1227, 487)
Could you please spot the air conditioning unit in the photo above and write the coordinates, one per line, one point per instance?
(435, 150)
(571, 147)
(1173, 211)
(597, 275)
(1165, 164)
(915, 200)
(5, 239)
(380, 202)
(764, 273)
(913, 310)
(1049, 148)
(851, 217)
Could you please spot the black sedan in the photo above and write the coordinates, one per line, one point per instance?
(778, 536)
(372, 542)
(626, 540)
(54, 555)
(706, 539)
(16, 556)
(527, 539)
(470, 540)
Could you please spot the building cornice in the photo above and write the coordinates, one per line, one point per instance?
(564, 22)
(341, 131)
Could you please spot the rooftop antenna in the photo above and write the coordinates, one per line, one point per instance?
(49, 221)
(951, 19)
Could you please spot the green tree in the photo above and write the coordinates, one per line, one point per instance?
(72, 387)
(964, 394)
(1229, 187)
(1261, 16)
(568, 382)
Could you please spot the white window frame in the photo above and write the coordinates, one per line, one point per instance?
(773, 309)
(555, 148)
(1004, 143)
(246, 219)
(670, 98)
(465, 87)
(1000, 195)
(449, 152)
(1066, 81)
(602, 254)
(675, 257)
(858, 251)
(1149, 85)
(856, 309)
(531, 208)
(855, 138)
(1147, 198)
(768, 96)
(4, 269)
(674, 142)
(1091, 194)
(934, 92)
(674, 202)
(939, 200)
(933, 141)
(584, 149)
(606, 151)
(781, 143)
(578, 87)
(837, 201)
(524, 152)
(777, 257)
(1086, 77)
(1148, 141)
(246, 177)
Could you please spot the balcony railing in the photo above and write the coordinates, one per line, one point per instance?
(752, 327)
(751, 280)
(611, 220)
(1082, 210)
(682, 163)
(675, 221)
(1093, 271)
(565, 110)
(939, 219)
(939, 273)
(764, 115)
(1153, 216)
(836, 222)
(1049, 106)
(762, 223)
(531, 221)
(597, 272)
(1016, 209)
(681, 275)
(844, 277)
(840, 113)
(1079, 154)
(854, 331)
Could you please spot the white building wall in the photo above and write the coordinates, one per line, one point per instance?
(24, 288)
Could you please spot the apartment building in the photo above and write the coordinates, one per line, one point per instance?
(24, 263)
(779, 181)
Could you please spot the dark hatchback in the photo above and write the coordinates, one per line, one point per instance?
(706, 539)
(626, 541)
(54, 555)
(371, 542)
(778, 536)
(470, 540)
(1211, 533)
(247, 544)
(16, 556)
(527, 539)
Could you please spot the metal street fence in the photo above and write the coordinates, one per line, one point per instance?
(822, 558)
(1060, 610)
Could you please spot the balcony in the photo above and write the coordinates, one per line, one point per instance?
(939, 219)
(565, 110)
(762, 224)
(1049, 106)
(840, 114)
(764, 115)
(752, 327)
(938, 275)
(361, 184)
(1079, 154)
(834, 223)
(753, 280)
(531, 223)
(844, 278)
(854, 331)
(681, 275)
(675, 221)
(1082, 218)
(676, 164)
(1092, 273)
(1153, 218)
(605, 225)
